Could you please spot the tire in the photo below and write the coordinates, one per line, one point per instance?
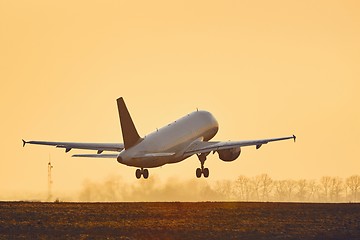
(138, 173)
(146, 173)
(206, 172)
(198, 172)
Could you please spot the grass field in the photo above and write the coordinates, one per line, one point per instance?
(177, 220)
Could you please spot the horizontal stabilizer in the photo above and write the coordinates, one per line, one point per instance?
(96, 155)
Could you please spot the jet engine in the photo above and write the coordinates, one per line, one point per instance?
(228, 155)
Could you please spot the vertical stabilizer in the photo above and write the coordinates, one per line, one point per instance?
(130, 135)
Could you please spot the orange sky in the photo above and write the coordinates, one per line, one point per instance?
(263, 68)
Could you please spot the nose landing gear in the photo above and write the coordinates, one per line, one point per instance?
(202, 170)
(143, 172)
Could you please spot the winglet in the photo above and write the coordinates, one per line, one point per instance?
(294, 137)
(129, 132)
(24, 142)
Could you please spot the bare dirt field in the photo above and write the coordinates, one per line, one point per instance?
(205, 220)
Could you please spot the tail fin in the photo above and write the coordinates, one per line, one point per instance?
(130, 135)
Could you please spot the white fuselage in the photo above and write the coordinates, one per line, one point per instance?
(170, 141)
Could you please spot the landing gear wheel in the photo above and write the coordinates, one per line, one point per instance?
(146, 173)
(202, 170)
(138, 173)
(206, 172)
(198, 172)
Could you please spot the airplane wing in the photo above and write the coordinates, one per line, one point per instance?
(100, 147)
(206, 147)
(96, 155)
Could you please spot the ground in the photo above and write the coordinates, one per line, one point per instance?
(177, 220)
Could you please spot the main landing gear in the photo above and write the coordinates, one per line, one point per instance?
(143, 172)
(202, 170)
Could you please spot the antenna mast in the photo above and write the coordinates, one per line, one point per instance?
(49, 179)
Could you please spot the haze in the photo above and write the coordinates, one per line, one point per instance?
(264, 69)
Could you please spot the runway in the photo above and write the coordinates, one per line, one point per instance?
(178, 220)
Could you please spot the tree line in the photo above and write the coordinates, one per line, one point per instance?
(264, 188)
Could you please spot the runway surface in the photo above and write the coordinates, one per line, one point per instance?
(204, 220)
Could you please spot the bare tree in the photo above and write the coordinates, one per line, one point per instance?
(224, 188)
(255, 183)
(353, 183)
(243, 188)
(325, 183)
(313, 189)
(280, 193)
(290, 188)
(302, 189)
(336, 187)
(265, 186)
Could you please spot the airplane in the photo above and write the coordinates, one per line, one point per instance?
(173, 143)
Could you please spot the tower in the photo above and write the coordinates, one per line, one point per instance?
(49, 180)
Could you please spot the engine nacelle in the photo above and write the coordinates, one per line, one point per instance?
(229, 155)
